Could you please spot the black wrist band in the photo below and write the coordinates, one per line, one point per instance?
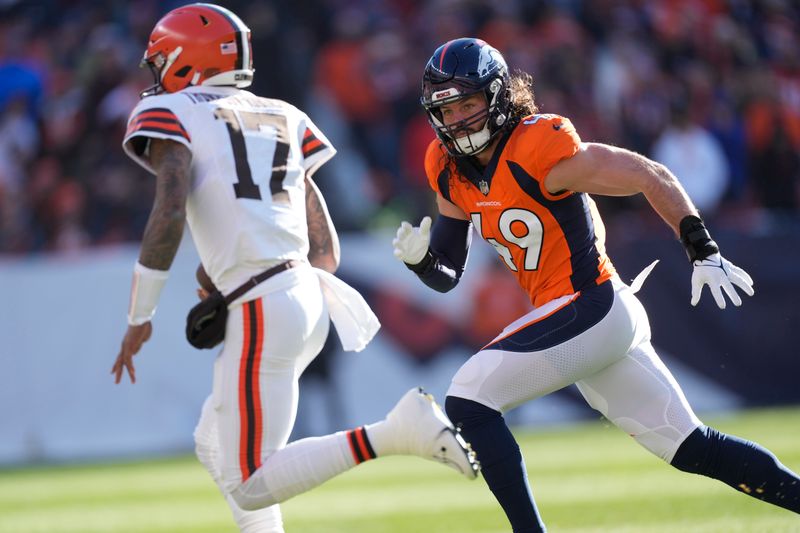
(696, 239)
(422, 266)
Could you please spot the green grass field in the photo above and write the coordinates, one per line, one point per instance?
(586, 478)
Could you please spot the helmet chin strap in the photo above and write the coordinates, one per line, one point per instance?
(474, 142)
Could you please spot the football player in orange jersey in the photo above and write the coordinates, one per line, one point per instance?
(523, 180)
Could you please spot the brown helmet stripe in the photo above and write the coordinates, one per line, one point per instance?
(239, 30)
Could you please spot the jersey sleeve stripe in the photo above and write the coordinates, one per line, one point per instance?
(313, 147)
(157, 120)
(311, 144)
(155, 113)
(309, 138)
(161, 112)
(315, 151)
(155, 127)
(165, 120)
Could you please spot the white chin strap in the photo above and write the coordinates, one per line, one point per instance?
(474, 142)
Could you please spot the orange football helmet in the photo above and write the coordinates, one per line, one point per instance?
(199, 44)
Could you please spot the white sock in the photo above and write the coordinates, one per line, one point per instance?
(301, 466)
(382, 438)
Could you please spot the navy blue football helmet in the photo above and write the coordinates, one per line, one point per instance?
(458, 69)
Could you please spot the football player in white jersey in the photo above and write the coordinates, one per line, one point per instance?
(238, 168)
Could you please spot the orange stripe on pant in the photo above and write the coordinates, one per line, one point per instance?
(250, 413)
(255, 377)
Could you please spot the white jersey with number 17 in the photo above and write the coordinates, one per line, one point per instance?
(246, 207)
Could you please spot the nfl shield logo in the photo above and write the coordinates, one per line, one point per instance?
(484, 187)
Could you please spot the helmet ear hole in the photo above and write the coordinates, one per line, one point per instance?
(183, 71)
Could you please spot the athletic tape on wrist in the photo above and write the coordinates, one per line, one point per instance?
(145, 292)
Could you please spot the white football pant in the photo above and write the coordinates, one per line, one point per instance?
(249, 415)
(612, 363)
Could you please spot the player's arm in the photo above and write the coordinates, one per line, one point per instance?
(612, 171)
(172, 164)
(162, 235)
(437, 255)
(324, 251)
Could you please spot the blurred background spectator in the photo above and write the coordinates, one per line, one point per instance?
(710, 87)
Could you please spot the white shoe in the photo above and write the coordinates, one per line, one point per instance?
(421, 428)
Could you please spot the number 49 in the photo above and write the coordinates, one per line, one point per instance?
(530, 240)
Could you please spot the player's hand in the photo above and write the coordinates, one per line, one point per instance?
(720, 274)
(411, 243)
(134, 338)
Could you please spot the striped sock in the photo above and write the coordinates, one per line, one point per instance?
(360, 446)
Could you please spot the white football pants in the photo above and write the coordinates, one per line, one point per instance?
(249, 415)
(609, 358)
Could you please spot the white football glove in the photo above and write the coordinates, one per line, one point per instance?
(411, 243)
(717, 272)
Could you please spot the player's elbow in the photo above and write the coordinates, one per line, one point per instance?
(327, 262)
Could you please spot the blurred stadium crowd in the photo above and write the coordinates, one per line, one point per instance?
(709, 87)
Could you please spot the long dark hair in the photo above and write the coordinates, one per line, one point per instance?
(523, 101)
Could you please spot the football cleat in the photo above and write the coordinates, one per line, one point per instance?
(422, 428)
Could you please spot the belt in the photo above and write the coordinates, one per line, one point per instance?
(255, 280)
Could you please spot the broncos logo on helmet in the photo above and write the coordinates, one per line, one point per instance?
(456, 70)
(199, 44)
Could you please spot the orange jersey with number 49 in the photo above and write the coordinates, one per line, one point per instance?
(554, 244)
